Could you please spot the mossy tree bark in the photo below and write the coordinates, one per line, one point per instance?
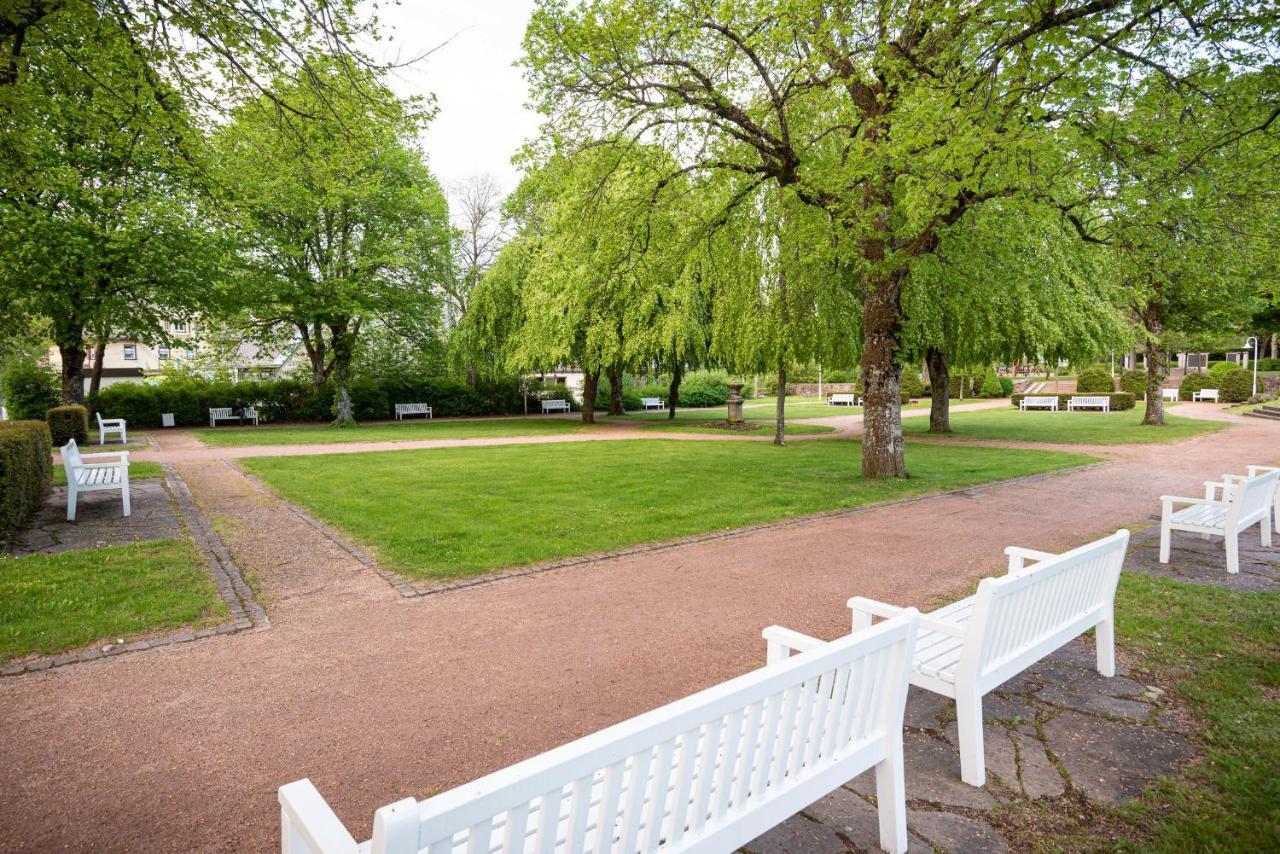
(940, 390)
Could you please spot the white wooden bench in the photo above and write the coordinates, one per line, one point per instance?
(651, 403)
(1244, 502)
(403, 409)
(973, 646)
(1254, 471)
(109, 426)
(85, 476)
(555, 406)
(842, 400)
(1170, 394)
(1038, 403)
(1205, 394)
(1102, 402)
(223, 413)
(707, 773)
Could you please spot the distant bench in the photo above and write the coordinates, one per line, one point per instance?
(651, 403)
(1085, 402)
(842, 400)
(223, 413)
(403, 409)
(1039, 403)
(1205, 394)
(555, 406)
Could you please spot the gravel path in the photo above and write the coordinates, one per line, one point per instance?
(375, 697)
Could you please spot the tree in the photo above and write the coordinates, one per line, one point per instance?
(895, 119)
(481, 232)
(342, 224)
(101, 231)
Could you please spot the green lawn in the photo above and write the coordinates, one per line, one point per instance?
(762, 409)
(403, 431)
(140, 470)
(454, 512)
(51, 603)
(759, 428)
(1080, 428)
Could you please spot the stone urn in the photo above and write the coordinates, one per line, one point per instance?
(735, 403)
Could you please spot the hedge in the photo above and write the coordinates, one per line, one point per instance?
(29, 391)
(912, 386)
(1217, 369)
(67, 423)
(1119, 399)
(1194, 382)
(1134, 382)
(1095, 380)
(1269, 364)
(1236, 385)
(991, 387)
(26, 472)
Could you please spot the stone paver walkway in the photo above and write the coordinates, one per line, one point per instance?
(98, 520)
(375, 696)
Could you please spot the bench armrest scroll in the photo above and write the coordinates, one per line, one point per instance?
(783, 642)
(309, 825)
(1020, 557)
(864, 609)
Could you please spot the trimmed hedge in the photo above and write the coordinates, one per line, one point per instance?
(912, 387)
(991, 388)
(1095, 380)
(1217, 369)
(1269, 364)
(1236, 385)
(1134, 382)
(29, 391)
(67, 423)
(1119, 399)
(1195, 382)
(26, 472)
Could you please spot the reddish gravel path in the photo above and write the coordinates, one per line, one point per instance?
(376, 697)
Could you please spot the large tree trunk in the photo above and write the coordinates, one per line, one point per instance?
(882, 451)
(343, 344)
(72, 372)
(615, 391)
(673, 390)
(590, 387)
(940, 390)
(780, 419)
(95, 377)
(1154, 413)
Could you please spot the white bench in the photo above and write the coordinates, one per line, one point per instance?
(1245, 502)
(108, 426)
(403, 409)
(555, 406)
(1038, 403)
(94, 477)
(223, 413)
(1254, 471)
(1205, 394)
(651, 403)
(1170, 394)
(973, 646)
(1102, 402)
(707, 773)
(842, 400)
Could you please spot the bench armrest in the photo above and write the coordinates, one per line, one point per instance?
(783, 642)
(864, 609)
(1254, 471)
(1019, 557)
(1180, 499)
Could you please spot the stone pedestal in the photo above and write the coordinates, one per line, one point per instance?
(735, 403)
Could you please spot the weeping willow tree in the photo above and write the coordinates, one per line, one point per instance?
(1010, 281)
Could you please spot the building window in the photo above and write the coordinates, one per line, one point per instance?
(131, 352)
(179, 327)
(162, 352)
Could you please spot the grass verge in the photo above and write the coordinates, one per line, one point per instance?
(50, 603)
(1073, 428)
(455, 512)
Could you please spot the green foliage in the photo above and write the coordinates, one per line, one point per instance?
(28, 390)
(630, 397)
(991, 387)
(26, 470)
(1006, 386)
(1235, 385)
(1217, 369)
(1135, 383)
(1269, 364)
(67, 423)
(1095, 379)
(912, 385)
(958, 383)
(1192, 383)
(1120, 400)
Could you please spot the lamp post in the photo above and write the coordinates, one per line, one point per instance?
(1254, 339)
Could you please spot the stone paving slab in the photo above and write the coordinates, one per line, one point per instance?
(99, 521)
(1199, 561)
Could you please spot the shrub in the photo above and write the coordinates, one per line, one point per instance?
(699, 394)
(1006, 385)
(29, 391)
(956, 382)
(1119, 399)
(1134, 382)
(1195, 382)
(1095, 380)
(991, 387)
(1236, 385)
(1217, 369)
(1269, 364)
(26, 472)
(67, 423)
(630, 397)
(912, 387)
(554, 391)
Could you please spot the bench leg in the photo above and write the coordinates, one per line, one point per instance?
(1233, 552)
(1104, 642)
(1166, 536)
(124, 496)
(973, 766)
(1266, 530)
(891, 800)
(71, 504)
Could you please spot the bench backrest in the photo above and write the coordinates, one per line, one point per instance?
(711, 771)
(648, 401)
(841, 397)
(1251, 498)
(98, 415)
(71, 459)
(1084, 400)
(1209, 392)
(411, 407)
(555, 404)
(225, 411)
(1021, 617)
(1040, 401)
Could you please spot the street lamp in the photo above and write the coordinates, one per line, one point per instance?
(1254, 339)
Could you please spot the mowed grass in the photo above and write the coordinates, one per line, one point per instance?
(402, 431)
(1074, 428)
(55, 602)
(762, 409)
(455, 512)
(140, 470)
(757, 428)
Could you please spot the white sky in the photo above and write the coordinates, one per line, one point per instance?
(481, 95)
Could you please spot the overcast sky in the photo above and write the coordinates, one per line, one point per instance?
(481, 95)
